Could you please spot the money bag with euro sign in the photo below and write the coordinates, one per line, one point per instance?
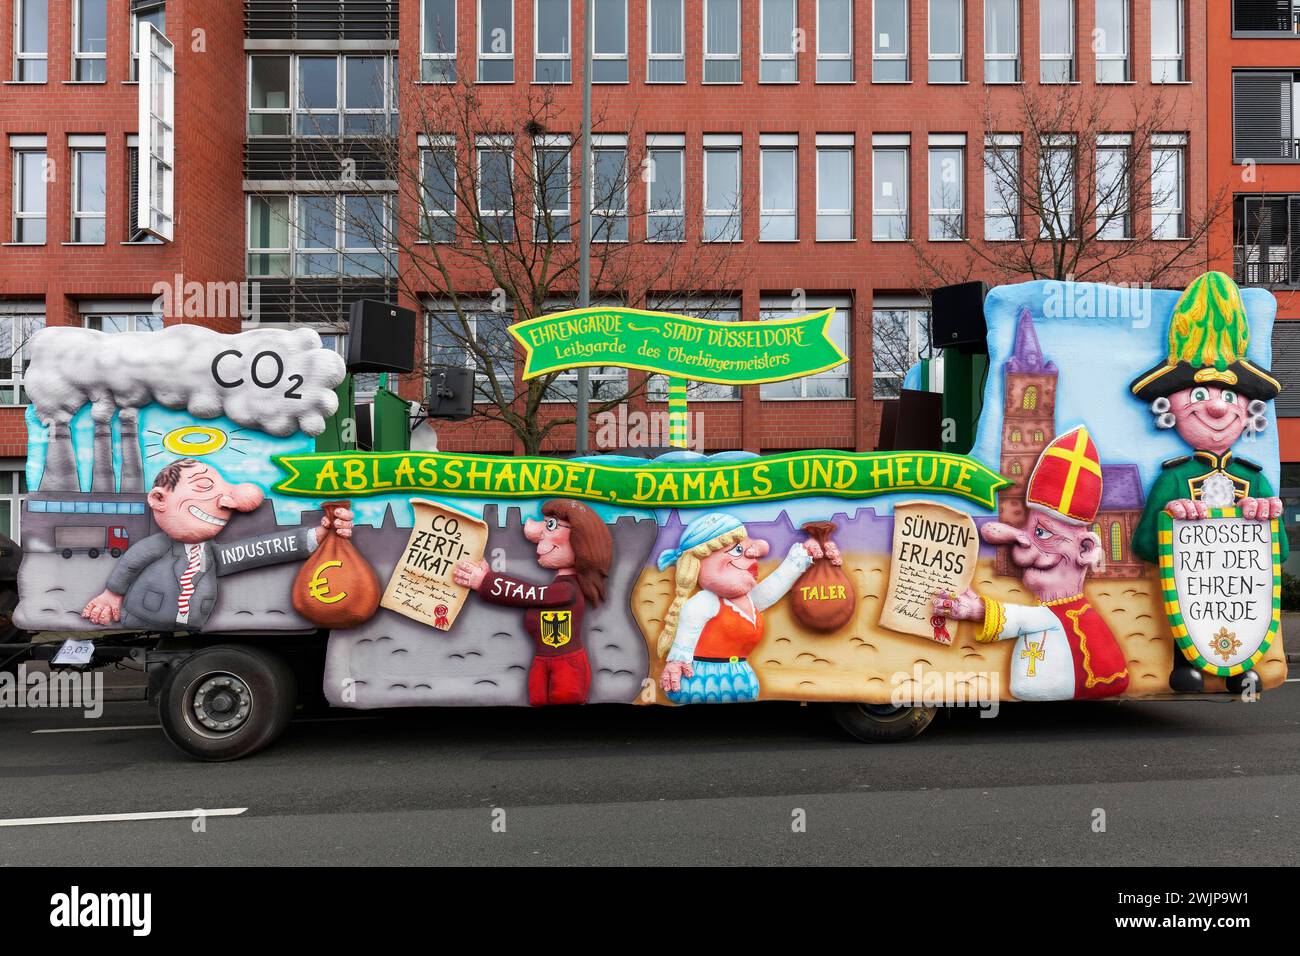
(336, 587)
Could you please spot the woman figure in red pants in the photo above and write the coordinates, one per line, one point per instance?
(573, 542)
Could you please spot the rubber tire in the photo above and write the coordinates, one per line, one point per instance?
(270, 682)
(879, 728)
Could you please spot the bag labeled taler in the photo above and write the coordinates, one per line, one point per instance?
(823, 598)
(336, 587)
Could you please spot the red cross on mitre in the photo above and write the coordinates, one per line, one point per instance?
(1067, 479)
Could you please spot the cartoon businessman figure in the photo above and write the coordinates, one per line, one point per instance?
(168, 581)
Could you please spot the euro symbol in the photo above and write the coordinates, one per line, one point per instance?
(319, 588)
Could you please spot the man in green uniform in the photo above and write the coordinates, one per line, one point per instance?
(1210, 393)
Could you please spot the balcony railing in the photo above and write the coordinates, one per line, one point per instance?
(320, 19)
(1269, 266)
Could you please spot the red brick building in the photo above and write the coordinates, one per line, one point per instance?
(837, 115)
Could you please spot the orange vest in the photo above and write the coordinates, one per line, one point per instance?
(729, 634)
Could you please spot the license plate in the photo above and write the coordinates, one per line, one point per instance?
(75, 652)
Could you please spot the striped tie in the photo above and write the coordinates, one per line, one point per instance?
(195, 552)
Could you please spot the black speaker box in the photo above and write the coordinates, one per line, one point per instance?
(381, 337)
(957, 317)
(451, 393)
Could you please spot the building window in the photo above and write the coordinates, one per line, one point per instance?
(665, 189)
(666, 42)
(1169, 186)
(1029, 401)
(268, 95)
(156, 138)
(777, 21)
(29, 196)
(947, 192)
(13, 492)
(554, 186)
(325, 236)
(834, 189)
(551, 59)
(1001, 41)
(1016, 468)
(1266, 230)
(721, 41)
(353, 95)
(609, 41)
(31, 41)
(123, 322)
(496, 41)
(900, 337)
(1002, 179)
(889, 63)
(89, 193)
(269, 248)
(1056, 27)
(438, 47)
(722, 310)
(1263, 117)
(830, 384)
(605, 383)
(153, 13)
(1015, 435)
(18, 323)
(1111, 41)
(496, 193)
(134, 233)
(889, 193)
(1167, 49)
(947, 41)
(1265, 16)
(438, 179)
(451, 333)
(1057, 185)
(834, 41)
(1114, 219)
(89, 41)
(778, 190)
(609, 190)
(721, 192)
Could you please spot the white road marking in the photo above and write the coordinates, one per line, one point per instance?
(87, 730)
(121, 817)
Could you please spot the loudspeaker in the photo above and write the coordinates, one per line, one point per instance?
(915, 423)
(451, 392)
(381, 337)
(957, 317)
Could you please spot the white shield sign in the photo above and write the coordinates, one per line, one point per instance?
(1222, 580)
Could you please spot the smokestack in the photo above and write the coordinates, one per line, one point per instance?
(60, 472)
(102, 479)
(129, 442)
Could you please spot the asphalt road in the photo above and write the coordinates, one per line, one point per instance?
(1180, 783)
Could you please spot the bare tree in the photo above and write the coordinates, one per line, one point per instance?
(481, 223)
(1084, 183)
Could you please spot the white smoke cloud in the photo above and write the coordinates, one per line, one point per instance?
(276, 380)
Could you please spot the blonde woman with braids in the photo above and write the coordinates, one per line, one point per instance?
(708, 634)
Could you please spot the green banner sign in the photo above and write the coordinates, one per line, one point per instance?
(674, 484)
(681, 346)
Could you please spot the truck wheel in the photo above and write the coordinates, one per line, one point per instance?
(883, 723)
(227, 702)
(93, 553)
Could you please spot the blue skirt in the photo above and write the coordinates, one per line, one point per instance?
(717, 682)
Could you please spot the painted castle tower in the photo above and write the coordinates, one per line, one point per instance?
(1028, 425)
